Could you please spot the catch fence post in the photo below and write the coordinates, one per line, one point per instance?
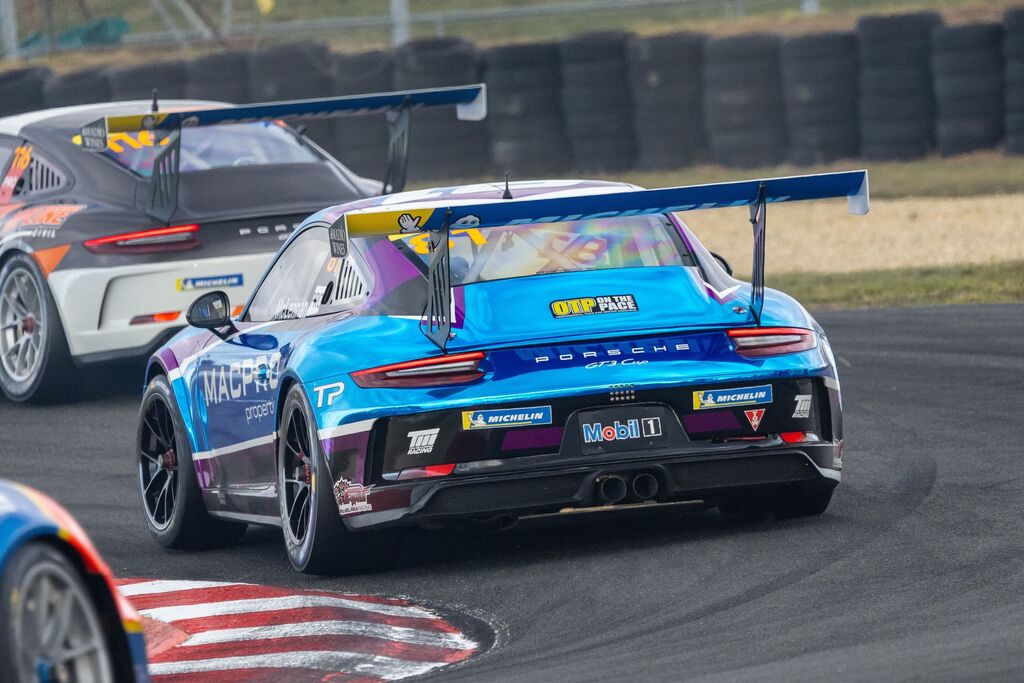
(8, 29)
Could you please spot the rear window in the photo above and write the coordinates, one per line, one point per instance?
(240, 144)
(523, 250)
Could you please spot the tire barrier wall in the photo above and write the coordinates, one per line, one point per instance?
(21, 90)
(1013, 50)
(743, 104)
(897, 106)
(442, 147)
(596, 101)
(524, 111)
(293, 72)
(819, 84)
(899, 87)
(666, 83)
(967, 62)
(362, 141)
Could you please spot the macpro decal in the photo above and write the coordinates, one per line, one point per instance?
(593, 305)
(506, 417)
(188, 284)
(706, 399)
(646, 428)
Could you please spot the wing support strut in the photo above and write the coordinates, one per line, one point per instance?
(437, 314)
(758, 216)
(399, 122)
(163, 183)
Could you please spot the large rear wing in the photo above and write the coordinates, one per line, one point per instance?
(439, 217)
(470, 102)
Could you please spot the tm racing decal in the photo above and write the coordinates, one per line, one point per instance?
(422, 441)
(706, 399)
(593, 305)
(507, 417)
(803, 406)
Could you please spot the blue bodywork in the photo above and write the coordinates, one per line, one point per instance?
(675, 343)
(26, 516)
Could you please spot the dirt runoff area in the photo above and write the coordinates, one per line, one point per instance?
(911, 232)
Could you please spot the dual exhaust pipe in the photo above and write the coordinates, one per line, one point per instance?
(614, 488)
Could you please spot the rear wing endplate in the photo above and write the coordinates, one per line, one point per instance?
(757, 194)
(470, 102)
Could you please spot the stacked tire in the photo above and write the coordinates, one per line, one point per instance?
(665, 81)
(294, 71)
(361, 142)
(897, 109)
(819, 81)
(524, 113)
(78, 87)
(222, 77)
(21, 90)
(967, 63)
(743, 106)
(1013, 49)
(596, 102)
(441, 146)
(138, 82)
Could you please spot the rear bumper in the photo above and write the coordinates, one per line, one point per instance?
(97, 304)
(681, 477)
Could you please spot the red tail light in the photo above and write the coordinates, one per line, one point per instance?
(166, 317)
(428, 471)
(173, 238)
(755, 342)
(792, 437)
(456, 368)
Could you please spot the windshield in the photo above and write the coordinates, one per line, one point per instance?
(522, 250)
(240, 144)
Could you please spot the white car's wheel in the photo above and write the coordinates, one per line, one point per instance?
(34, 360)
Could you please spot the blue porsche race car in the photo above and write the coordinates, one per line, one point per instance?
(492, 352)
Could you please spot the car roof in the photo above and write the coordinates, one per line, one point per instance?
(63, 118)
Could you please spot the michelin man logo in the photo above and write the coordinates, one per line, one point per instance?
(408, 223)
(469, 221)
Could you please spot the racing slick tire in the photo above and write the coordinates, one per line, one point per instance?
(803, 501)
(40, 638)
(171, 501)
(315, 536)
(35, 364)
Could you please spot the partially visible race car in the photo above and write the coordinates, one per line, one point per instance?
(492, 352)
(61, 616)
(114, 216)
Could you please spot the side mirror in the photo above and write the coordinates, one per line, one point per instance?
(722, 262)
(211, 311)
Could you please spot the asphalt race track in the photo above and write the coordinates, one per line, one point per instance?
(917, 569)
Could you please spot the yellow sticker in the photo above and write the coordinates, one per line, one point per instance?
(420, 243)
(387, 222)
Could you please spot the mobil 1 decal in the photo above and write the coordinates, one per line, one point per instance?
(594, 305)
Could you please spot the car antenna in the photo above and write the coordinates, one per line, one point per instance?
(508, 192)
(155, 107)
